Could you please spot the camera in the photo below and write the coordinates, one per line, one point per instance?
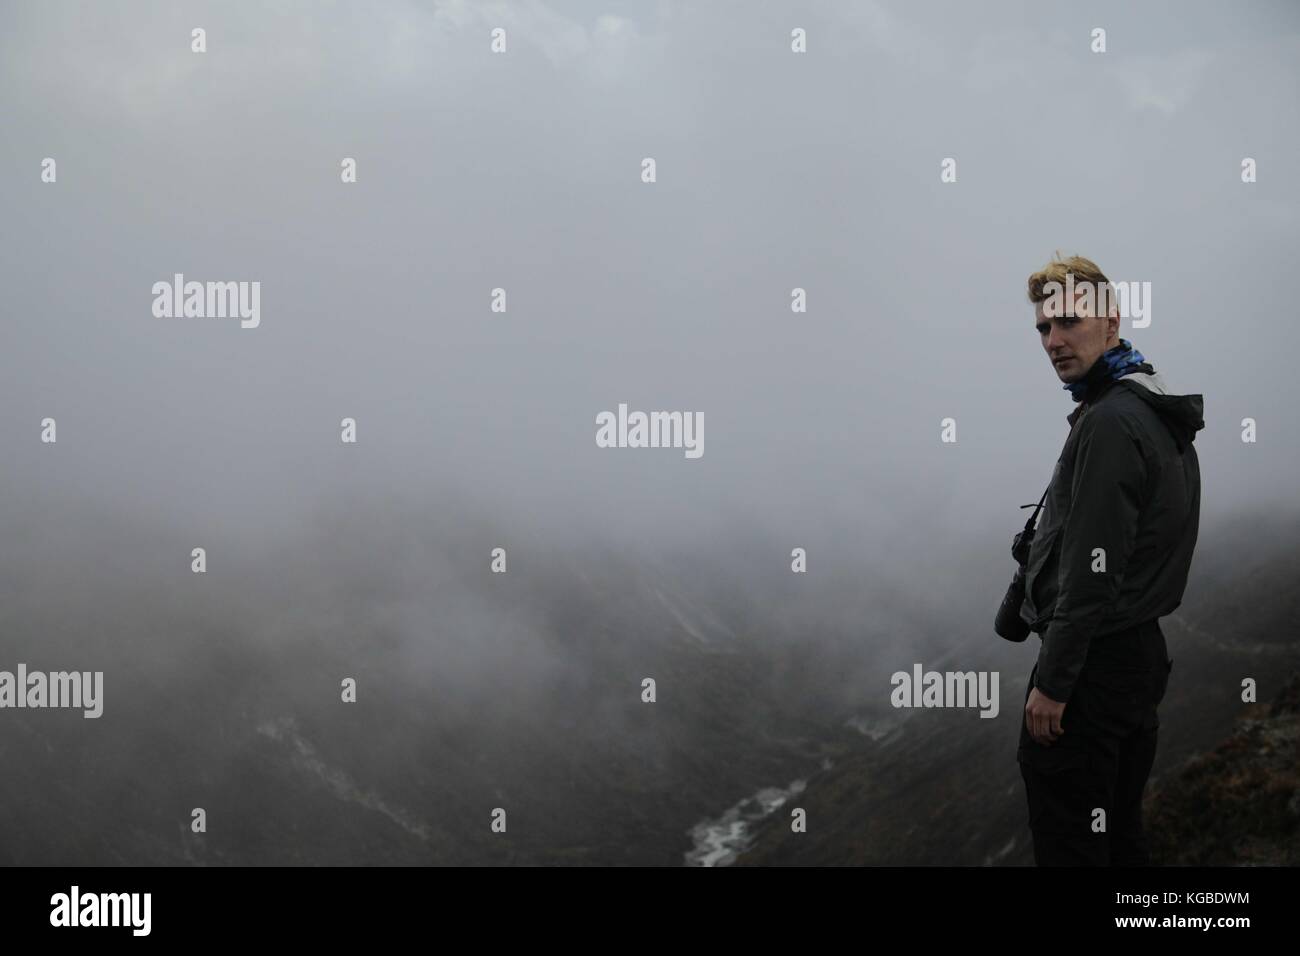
(1008, 623)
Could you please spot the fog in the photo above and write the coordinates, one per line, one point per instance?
(476, 429)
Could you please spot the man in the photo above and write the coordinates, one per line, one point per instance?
(1110, 557)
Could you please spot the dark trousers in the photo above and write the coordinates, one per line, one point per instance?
(1102, 759)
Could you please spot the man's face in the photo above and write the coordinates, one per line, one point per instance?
(1074, 342)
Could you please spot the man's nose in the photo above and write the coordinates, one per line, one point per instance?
(1054, 339)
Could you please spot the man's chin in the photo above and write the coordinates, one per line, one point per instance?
(1067, 372)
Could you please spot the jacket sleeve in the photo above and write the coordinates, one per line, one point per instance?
(1106, 495)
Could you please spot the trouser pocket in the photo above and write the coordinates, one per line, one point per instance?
(1062, 756)
(1063, 795)
(1065, 754)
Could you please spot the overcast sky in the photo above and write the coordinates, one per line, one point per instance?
(521, 170)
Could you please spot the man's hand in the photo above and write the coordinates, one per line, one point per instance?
(1043, 717)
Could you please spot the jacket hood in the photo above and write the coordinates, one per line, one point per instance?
(1183, 414)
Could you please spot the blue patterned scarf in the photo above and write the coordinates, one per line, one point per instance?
(1122, 360)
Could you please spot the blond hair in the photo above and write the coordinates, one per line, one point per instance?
(1085, 272)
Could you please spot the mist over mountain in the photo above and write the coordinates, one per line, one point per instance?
(523, 691)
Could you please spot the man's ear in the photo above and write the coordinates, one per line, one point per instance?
(1112, 308)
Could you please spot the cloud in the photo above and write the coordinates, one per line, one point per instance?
(1166, 82)
(77, 56)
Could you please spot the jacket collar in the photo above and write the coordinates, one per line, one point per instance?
(1184, 415)
(1109, 367)
(1096, 381)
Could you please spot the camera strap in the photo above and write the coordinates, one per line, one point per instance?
(1033, 519)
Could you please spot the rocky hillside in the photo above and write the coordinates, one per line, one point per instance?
(1239, 804)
